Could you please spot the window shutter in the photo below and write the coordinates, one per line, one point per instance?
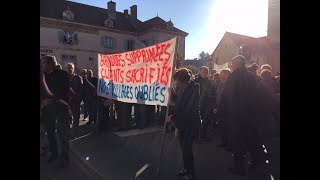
(102, 42)
(114, 43)
(76, 40)
(133, 45)
(60, 36)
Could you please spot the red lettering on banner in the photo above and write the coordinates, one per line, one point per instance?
(128, 58)
(134, 74)
(157, 53)
(146, 74)
(102, 73)
(151, 75)
(128, 75)
(144, 56)
(141, 74)
(162, 51)
(158, 76)
(122, 61)
(138, 53)
(151, 54)
(162, 75)
(121, 76)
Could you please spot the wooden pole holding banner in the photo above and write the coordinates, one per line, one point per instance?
(167, 110)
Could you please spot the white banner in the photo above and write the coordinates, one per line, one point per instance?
(141, 76)
(220, 67)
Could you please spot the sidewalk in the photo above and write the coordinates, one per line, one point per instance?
(116, 158)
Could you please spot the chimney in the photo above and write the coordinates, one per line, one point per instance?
(126, 13)
(112, 9)
(133, 11)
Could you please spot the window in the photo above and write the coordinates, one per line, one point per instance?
(169, 24)
(130, 45)
(217, 59)
(70, 37)
(68, 15)
(65, 59)
(276, 46)
(108, 42)
(108, 22)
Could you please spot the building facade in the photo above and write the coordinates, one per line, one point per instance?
(264, 50)
(76, 33)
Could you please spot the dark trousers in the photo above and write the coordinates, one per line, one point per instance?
(92, 110)
(123, 114)
(254, 148)
(85, 109)
(186, 141)
(56, 116)
(104, 118)
(223, 130)
(206, 109)
(140, 115)
(150, 113)
(75, 110)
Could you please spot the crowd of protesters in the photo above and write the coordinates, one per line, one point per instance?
(241, 104)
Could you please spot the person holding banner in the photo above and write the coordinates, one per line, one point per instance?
(186, 118)
(75, 100)
(55, 109)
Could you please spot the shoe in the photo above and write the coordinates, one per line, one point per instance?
(122, 129)
(188, 177)
(182, 172)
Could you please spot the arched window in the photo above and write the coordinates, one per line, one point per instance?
(68, 15)
(108, 22)
(169, 24)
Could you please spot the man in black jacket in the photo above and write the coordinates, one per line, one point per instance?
(90, 84)
(75, 100)
(54, 104)
(244, 104)
(186, 118)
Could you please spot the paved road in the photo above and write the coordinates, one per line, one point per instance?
(110, 157)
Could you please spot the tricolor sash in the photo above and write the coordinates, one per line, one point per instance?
(47, 90)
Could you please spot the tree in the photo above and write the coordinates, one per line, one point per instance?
(204, 56)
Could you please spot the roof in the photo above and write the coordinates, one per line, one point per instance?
(256, 45)
(159, 23)
(96, 16)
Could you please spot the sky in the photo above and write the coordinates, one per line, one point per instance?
(206, 21)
